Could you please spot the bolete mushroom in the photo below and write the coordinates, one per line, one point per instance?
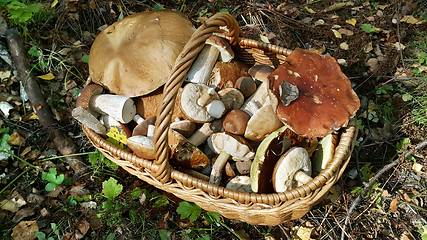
(90, 121)
(292, 170)
(326, 100)
(201, 69)
(236, 121)
(246, 85)
(240, 183)
(324, 152)
(134, 56)
(200, 103)
(260, 72)
(227, 145)
(142, 146)
(231, 98)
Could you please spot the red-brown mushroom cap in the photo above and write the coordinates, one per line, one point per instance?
(134, 56)
(87, 92)
(326, 100)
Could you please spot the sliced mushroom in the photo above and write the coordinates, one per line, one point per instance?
(292, 170)
(225, 75)
(90, 121)
(142, 128)
(227, 145)
(185, 154)
(324, 152)
(142, 146)
(240, 183)
(185, 127)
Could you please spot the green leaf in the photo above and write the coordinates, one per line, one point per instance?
(368, 28)
(107, 205)
(111, 236)
(40, 235)
(111, 188)
(425, 16)
(5, 148)
(191, 210)
(34, 52)
(85, 58)
(136, 193)
(158, 6)
(223, 10)
(164, 234)
(160, 202)
(59, 179)
(212, 217)
(50, 187)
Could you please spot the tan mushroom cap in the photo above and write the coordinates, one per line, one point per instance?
(87, 92)
(326, 100)
(134, 56)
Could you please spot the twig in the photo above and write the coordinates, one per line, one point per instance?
(63, 144)
(374, 179)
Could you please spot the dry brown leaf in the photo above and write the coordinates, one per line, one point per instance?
(15, 139)
(393, 205)
(25, 230)
(337, 6)
(23, 213)
(304, 233)
(83, 226)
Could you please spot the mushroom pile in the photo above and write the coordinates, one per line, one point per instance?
(253, 129)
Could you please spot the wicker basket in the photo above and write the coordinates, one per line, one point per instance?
(256, 209)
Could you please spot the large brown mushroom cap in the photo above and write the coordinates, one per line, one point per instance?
(326, 100)
(135, 56)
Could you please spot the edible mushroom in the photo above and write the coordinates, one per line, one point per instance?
(292, 170)
(240, 183)
(324, 152)
(246, 85)
(201, 69)
(200, 103)
(227, 145)
(236, 121)
(260, 72)
(326, 100)
(134, 56)
(90, 121)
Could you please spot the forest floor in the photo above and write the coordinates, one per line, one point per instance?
(380, 45)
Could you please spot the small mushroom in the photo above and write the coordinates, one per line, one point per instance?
(236, 121)
(203, 133)
(90, 121)
(292, 170)
(246, 85)
(142, 127)
(198, 103)
(225, 74)
(324, 152)
(201, 69)
(240, 183)
(227, 145)
(87, 92)
(244, 167)
(260, 72)
(231, 98)
(185, 127)
(142, 146)
(185, 154)
(325, 102)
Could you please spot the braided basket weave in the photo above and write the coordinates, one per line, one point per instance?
(256, 209)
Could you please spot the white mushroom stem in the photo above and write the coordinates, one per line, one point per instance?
(202, 67)
(252, 107)
(302, 177)
(217, 167)
(138, 119)
(201, 134)
(150, 131)
(119, 107)
(86, 118)
(205, 98)
(216, 108)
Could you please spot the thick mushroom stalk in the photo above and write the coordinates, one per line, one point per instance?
(227, 146)
(292, 170)
(119, 107)
(201, 69)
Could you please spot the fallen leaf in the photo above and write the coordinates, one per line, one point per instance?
(319, 22)
(304, 233)
(368, 48)
(54, 3)
(48, 76)
(345, 32)
(344, 46)
(336, 33)
(23, 213)
(399, 46)
(342, 62)
(393, 205)
(337, 6)
(15, 139)
(25, 230)
(9, 205)
(64, 51)
(352, 21)
(417, 167)
(83, 226)
(264, 38)
(25, 151)
(409, 19)
(309, 10)
(242, 234)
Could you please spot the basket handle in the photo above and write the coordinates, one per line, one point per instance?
(176, 79)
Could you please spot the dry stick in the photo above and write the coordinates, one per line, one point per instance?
(374, 179)
(62, 143)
